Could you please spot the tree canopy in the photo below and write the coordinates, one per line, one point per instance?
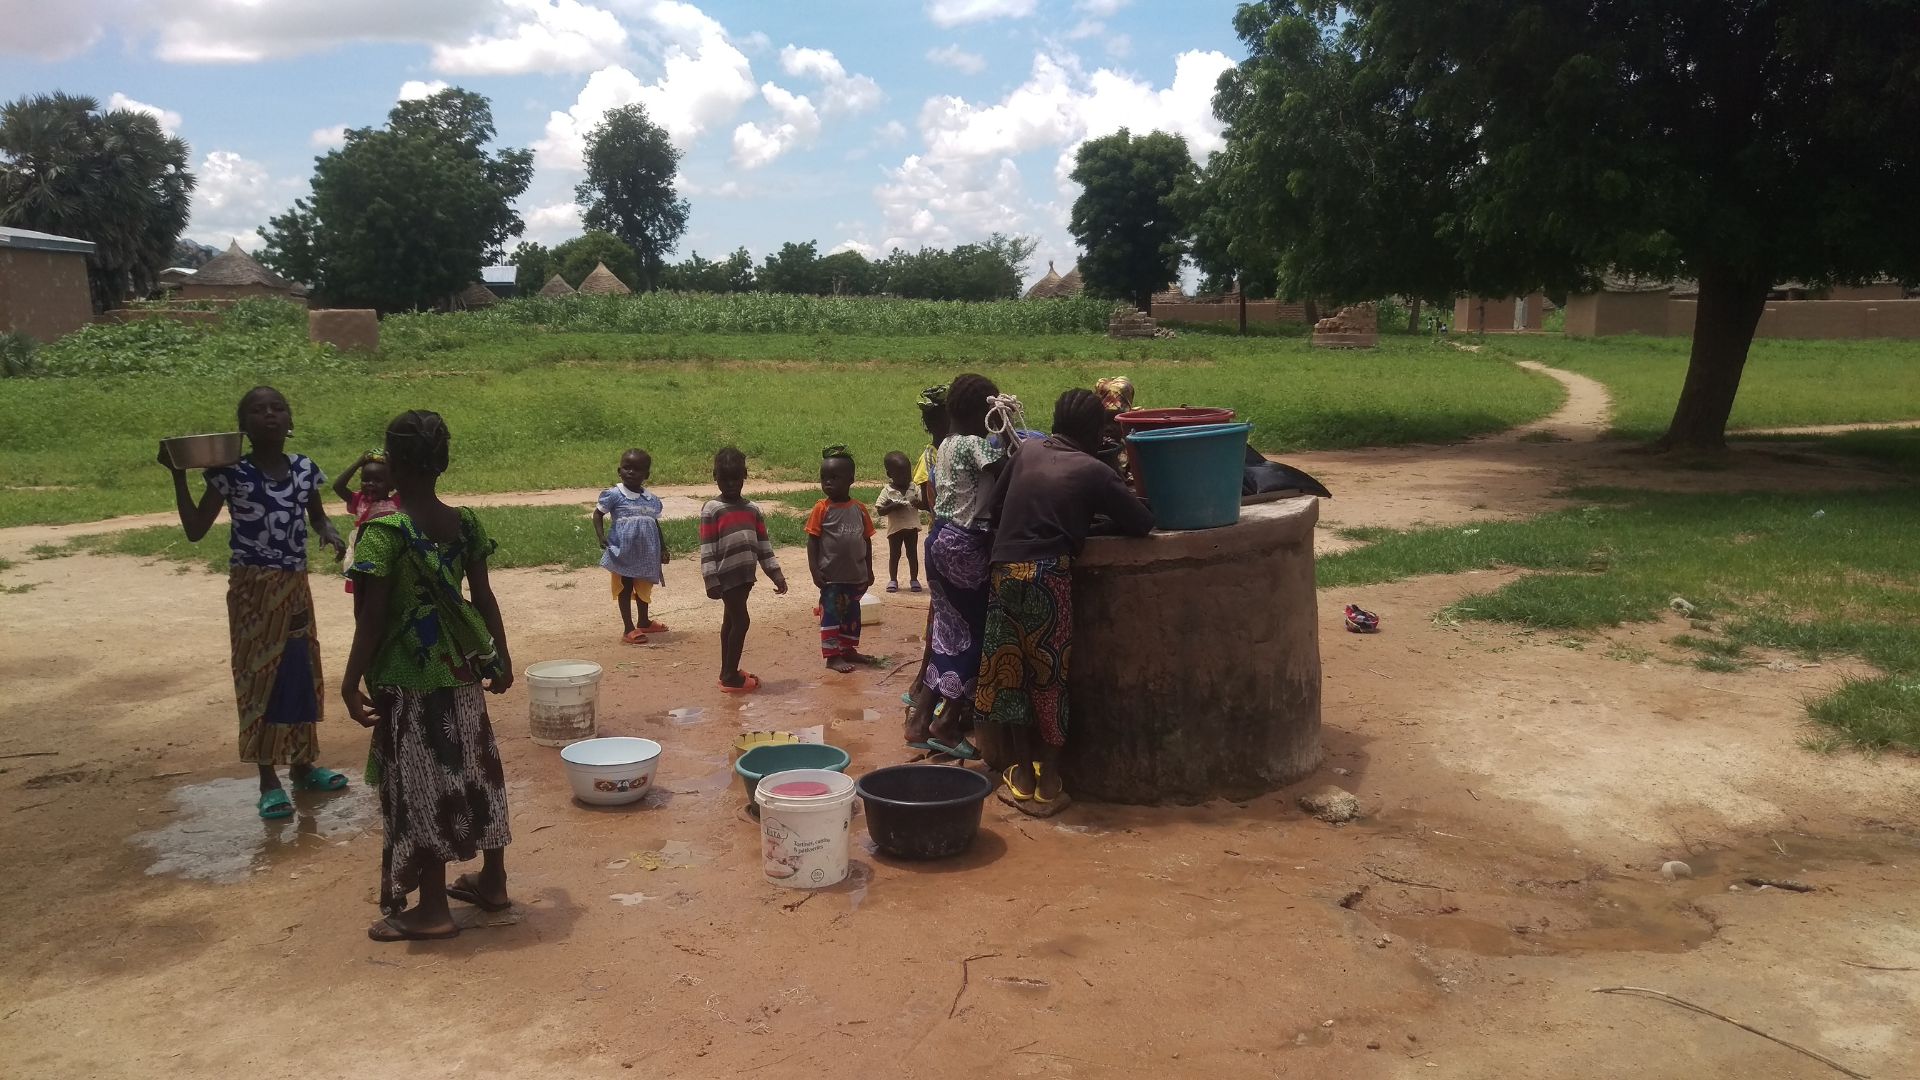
(1501, 145)
(734, 274)
(112, 177)
(628, 190)
(1128, 219)
(404, 216)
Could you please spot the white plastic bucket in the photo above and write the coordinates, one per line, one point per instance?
(561, 695)
(611, 772)
(872, 610)
(804, 839)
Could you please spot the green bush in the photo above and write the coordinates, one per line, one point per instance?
(661, 312)
(262, 339)
(17, 355)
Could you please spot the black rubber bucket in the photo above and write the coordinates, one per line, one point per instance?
(923, 811)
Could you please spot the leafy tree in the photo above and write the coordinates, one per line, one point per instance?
(696, 274)
(1230, 255)
(404, 216)
(1128, 216)
(795, 268)
(986, 271)
(628, 190)
(849, 273)
(110, 177)
(533, 265)
(576, 258)
(1550, 143)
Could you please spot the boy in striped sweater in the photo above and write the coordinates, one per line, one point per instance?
(733, 540)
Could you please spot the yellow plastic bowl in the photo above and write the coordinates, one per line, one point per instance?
(761, 738)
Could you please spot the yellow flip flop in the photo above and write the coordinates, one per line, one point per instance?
(1012, 789)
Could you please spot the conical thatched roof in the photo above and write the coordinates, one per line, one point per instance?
(475, 295)
(1070, 283)
(236, 267)
(556, 286)
(1047, 287)
(602, 283)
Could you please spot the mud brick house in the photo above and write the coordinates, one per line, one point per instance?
(43, 283)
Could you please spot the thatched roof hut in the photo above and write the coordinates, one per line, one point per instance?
(1047, 287)
(556, 286)
(1070, 283)
(602, 283)
(475, 296)
(233, 274)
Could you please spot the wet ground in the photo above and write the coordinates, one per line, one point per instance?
(1518, 800)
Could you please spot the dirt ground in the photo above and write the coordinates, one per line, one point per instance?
(1519, 795)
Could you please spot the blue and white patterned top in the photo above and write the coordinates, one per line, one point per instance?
(633, 539)
(269, 516)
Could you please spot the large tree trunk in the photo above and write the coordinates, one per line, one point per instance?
(1311, 311)
(1240, 288)
(1413, 315)
(1728, 311)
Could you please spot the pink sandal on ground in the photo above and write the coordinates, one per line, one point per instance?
(634, 637)
(749, 684)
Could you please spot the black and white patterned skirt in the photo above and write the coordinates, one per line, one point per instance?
(443, 792)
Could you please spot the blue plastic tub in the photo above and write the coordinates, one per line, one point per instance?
(1192, 474)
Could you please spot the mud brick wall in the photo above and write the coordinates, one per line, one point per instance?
(1607, 313)
(43, 294)
(1499, 314)
(1196, 661)
(346, 329)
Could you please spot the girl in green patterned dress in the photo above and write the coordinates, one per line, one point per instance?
(424, 653)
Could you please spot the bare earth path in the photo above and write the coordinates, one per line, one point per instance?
(1518, 794)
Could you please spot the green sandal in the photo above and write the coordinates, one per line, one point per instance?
(274, 805)
(319, 779)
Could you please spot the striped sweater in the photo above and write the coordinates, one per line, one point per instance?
(733, 540)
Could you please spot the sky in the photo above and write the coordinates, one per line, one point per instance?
(862, 126)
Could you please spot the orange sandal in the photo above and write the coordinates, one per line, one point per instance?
(748, 686)
(654, 627)
(635, 637)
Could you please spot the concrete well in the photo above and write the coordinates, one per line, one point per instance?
(1196, 661)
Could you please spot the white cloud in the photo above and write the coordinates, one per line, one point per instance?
(168, 120)
(960, 12)
(415, 89)
(1086, 28)
(957, 58)
(757, 145)
(538, 36)
(1120, 46)
(866, 250)
(1100, 8)
(726, 189)
(244, 31)
(704, 79)
(926, 202)
(53, 31)
(840, 91)
(328, 138)
(1041, 112)
(553, 223)
(892, 131)
(233, 197)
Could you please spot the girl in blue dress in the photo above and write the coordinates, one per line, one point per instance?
(271, 496)
(635, 550)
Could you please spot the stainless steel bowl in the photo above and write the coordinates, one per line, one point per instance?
(204, 451)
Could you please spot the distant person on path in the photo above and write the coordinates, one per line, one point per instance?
(957, 557)
(733, 541)
(1043, 507)
(840, 557)
(422, 656)
(899, 505)
(635, 549)
(374, 499)
(271, 497)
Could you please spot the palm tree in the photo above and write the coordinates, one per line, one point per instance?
(110, 177)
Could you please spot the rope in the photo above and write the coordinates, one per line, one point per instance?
(1006, 417)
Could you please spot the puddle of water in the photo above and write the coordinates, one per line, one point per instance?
(686, 714)
(219, 836)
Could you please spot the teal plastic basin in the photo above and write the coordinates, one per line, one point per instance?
(779, 757)
(1192, 474)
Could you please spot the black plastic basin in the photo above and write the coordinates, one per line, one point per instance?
(923, 811)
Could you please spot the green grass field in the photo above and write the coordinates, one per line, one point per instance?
(1813, 573)
(1786, 383)
(531, 408)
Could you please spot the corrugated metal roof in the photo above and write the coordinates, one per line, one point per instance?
(498, 275)
(28, 240)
